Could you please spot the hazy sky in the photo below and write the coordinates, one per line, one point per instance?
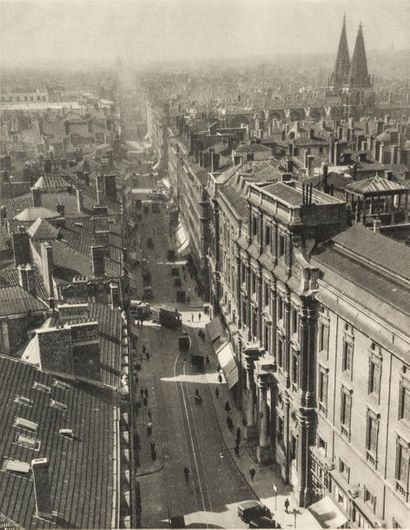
(142, 30)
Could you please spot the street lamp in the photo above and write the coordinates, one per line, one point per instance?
(295, 512)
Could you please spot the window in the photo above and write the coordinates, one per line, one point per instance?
(295, 369)
(267, 236)
(280, 352)
(282, 243)
(344, 469)
(323, 379)
(402, 465)
(280, 308)
(404, 400)
(41, 387)
(323, 337)
(321, 444)
(374, 376)
(369, 498)
(280, 430)
(253, 291)
(254, 226)
(266, 294)
(60, 384)
(293, 447)
(57, 405)
(347, 356)
(345, 410)
(372, 433)
(295, 321)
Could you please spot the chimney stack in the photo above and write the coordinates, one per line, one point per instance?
(26, 278)
(80, 205)
(60, 208)
(310, 160)
(21, 247)
(388, 174)
(97, 256)
(114, 295)
(376, 225)
(394, 154)
(289, 166)
(381, 153)
(3, 215)
(336, 153)
(36, 196)
(47, 266)
(39, 467)
(325, 170)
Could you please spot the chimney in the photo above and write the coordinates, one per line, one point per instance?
(289, 166)
(311, 134)
(381, 153)
(363, 145)
(100, 189)
(380, 127)
(340, 132)
(21, 247)
(26, 278)
(351, 123)
(331, 153)
(336, 153)
(47, 266)
(79, 195)
(114, 295)
(394, 137)
(376, 225)
(388, 174)
(215, 162)
(3, 215)
(250, 157)
(39, 467)
(60, 208)
(97, 256)
(236, 160)
(394, 153)
(386, 119)
(286, 177)
(36, 196)
(290, 149)
(310, 160)
(325, 170)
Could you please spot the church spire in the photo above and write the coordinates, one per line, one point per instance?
(359, 75)
(342, 65)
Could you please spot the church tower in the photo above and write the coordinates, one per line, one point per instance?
(358, 95)
(341, 71)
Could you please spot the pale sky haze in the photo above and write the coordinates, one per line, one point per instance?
(39, 31)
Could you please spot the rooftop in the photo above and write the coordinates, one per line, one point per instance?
(80, 469)
(14, 300)
(34, 212)
(50, 182)
(375, 185)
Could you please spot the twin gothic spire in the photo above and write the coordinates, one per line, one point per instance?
(355, 73)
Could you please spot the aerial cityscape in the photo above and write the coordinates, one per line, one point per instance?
(204, 264)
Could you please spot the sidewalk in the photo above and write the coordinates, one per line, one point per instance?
(266, 475)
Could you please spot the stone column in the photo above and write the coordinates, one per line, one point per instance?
(303, 493)
(259, 308)
(248, 305)
(251, 429)
(264, 451)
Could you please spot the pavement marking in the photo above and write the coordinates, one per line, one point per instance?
(190, 437)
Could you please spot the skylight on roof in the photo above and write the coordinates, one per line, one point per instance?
(22, 423)
(27, 442)
(15, 466)
(41, 387)
(60, 384)
(21, 400)
(68, 433)
(57, 405)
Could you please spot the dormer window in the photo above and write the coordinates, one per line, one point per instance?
(41, 387)
(57, 405)
(282, 245)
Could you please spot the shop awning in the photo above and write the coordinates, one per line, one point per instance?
(184, 249)
(215, 328)
(182, 241)
(328, 513)
(226, 358)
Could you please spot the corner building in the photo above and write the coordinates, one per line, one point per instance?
(275, 322)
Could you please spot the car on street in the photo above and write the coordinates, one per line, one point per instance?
(250, 510)
(263, 522)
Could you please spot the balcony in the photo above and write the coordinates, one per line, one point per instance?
(345, 431)
(322, 408)
(372, 459)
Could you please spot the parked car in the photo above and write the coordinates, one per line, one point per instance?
(263, 522)
(250, 510)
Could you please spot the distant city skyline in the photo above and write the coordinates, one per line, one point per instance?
(77, 31)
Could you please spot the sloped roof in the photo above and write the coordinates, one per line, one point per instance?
(375, 184)
(90, 416)
(43, 230)
(47, 182)
(34, 212)
(16, 301)
(380, 250)
(10, 278)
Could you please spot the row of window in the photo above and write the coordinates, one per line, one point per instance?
(268, 240)
(10, 99)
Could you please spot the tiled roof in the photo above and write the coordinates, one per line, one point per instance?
(16, 301)
(376, 248)
(252, 148)
(10, 278)
(49, 182)
(51, 199)
(235, 199)
(16, 205)
(43, 230)
(375, 184)
(293, 195)
(80, 469)
(34, 212)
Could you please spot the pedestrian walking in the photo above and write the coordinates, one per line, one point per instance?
(227, 406)
(287, 503)
(217, 392)
(238, 435)
(192, 317)
(144, 348)
(142, 392)
(207, 360)
(203, 337)
(149, 428)
(153, 455)
(252, 473)
(152, 445)
(147, 355)
(149, 414)
(219, 378)
(146, 392)
(145, 400)
(199, 316)
(237, 451)
(229, 422)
